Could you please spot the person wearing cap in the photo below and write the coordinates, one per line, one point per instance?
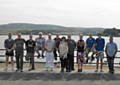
(100, 43)
(111, 50)
(40, 44)
(49, 47)
(9, 45)
(30, 45)
(19, 51)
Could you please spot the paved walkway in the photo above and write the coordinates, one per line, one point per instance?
(42, 77)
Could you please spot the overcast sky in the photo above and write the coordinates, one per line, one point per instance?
(77, 13)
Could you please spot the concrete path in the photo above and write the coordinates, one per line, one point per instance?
(42, 77)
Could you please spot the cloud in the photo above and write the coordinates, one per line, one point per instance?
(95, 13)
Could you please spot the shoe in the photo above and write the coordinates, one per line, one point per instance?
(5, 69)
(92, 59)
(62, 71)
(32, 68)
(67, 70)
(101, 70)
(29, 69)
(42, 56)
(73, 69)
(21, 70)
(38, 55)
(79, 70)
(112, 72)
(17, 70)
(96, 70)
(51, 69)
(12, 69)
(87, 61)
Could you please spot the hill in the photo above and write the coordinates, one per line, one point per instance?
(26, 28)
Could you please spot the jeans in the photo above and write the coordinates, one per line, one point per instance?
(49, 59)
(110, 63)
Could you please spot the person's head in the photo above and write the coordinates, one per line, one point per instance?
(30, 36)
(81, 36)
(111, 38)
(9, 35)
(90, 35)
(40, 34)
(63, 39)
(49, 36)
(69, 36)
(19, 35)
(99, 35)
(57, 35)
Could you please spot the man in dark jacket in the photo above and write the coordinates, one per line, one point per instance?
(70, 56)
(57, 42)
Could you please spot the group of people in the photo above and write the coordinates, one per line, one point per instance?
(62, 46)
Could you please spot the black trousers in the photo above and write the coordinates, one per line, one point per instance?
(70, 61)
(19, 60)
(31, 56)
(63, 63)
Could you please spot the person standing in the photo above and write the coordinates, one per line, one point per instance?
(19, 51)
(57, 42)
(40, 44)
(90, 47)
(49, 46)
(70, 56)
(100, 43)
(30, 45)
(111, 50)
(9, 45)
(80, 52)
(63, 49)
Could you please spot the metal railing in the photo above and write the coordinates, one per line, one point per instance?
(104, 63)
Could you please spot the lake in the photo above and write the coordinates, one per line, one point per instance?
(75, 37)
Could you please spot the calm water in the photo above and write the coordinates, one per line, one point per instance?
(75, 37)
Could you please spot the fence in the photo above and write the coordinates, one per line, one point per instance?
(104, 63)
